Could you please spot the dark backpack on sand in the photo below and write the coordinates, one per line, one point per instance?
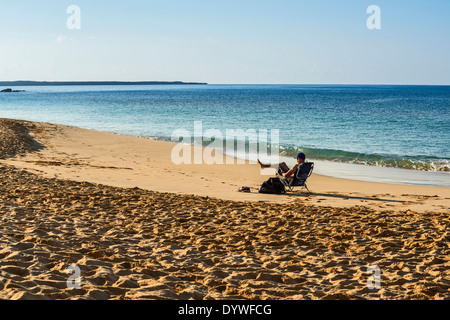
(273, 185)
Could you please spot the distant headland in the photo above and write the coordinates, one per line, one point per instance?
(11, 90)
(94, 83)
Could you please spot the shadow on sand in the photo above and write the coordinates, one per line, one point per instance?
(339, 196)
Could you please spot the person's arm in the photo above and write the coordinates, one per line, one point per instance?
(291, 171)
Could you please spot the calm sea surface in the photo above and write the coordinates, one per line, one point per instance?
(397, 134)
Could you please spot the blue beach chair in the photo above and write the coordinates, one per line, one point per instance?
(299, 180)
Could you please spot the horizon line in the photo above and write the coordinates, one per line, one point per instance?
(114, 82)
(179, 82)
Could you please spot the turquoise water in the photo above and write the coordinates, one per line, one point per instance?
(396, 127)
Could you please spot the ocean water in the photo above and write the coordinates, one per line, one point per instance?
(395, 134)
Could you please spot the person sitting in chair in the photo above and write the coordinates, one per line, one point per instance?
(283, 168)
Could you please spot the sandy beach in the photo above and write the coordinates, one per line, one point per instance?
(141, 227)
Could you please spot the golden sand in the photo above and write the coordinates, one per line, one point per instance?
(135, 243)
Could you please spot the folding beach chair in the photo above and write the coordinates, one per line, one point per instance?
(301, 175)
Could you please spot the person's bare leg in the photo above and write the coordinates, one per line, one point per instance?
(283, 166)
(263, 165)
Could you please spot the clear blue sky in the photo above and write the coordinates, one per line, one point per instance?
(227, 41)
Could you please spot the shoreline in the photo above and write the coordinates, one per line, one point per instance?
(381, 174)
(126, 161)
(350, 170)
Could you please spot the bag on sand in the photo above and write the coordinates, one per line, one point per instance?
(273, 185)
